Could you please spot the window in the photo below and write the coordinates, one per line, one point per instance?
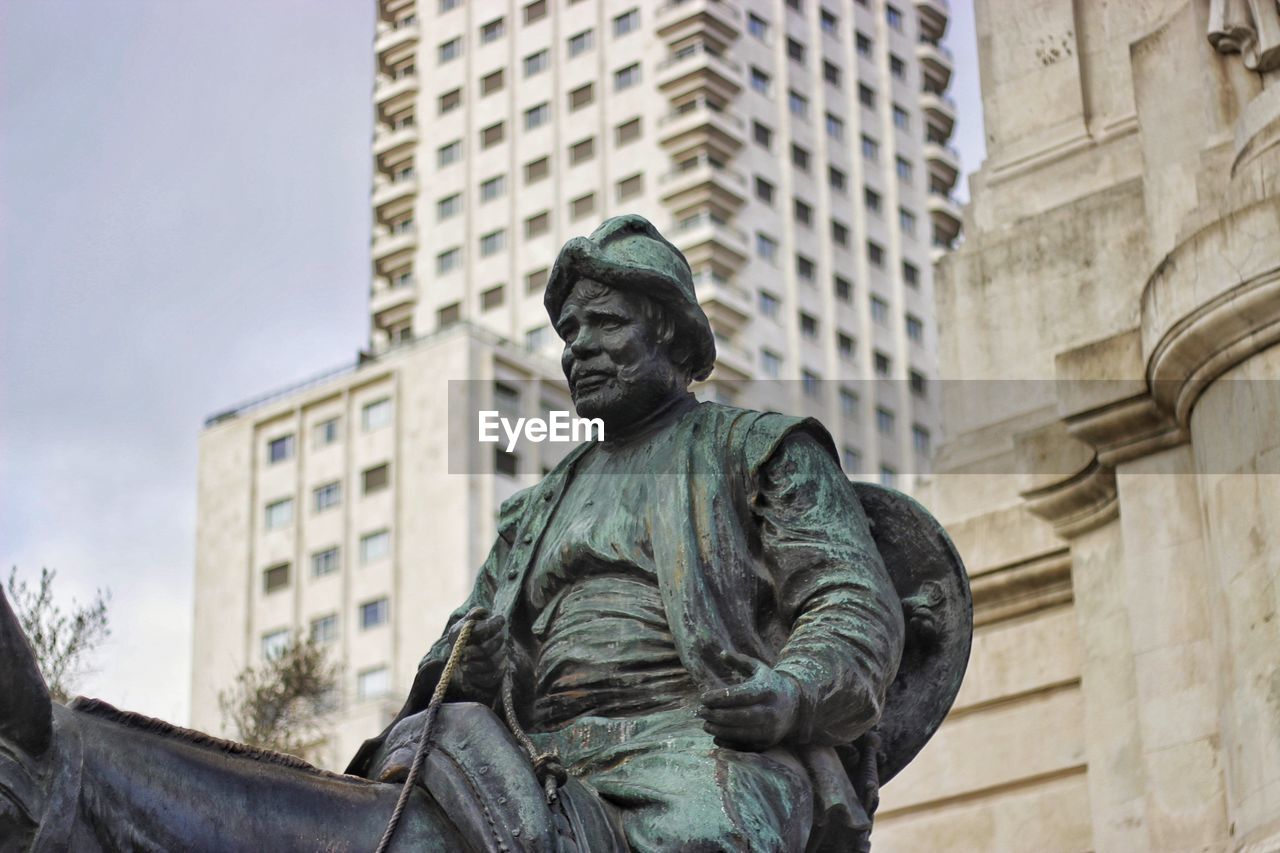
(812, 383)
(625, 78)
(882, 363)
(837, 179)
(888, 476)
(375, 683)
(879, 310)
(910, 274)
(326, 496)
(848, 403)
(536, 117)
(870, 148)
(582, 206)
(326, 432)
(374, 613)
(863, 43)
(766, 247)
(871, 200)
(627, 22)
(280, 449)
(852, 460)
(376, 415)
(764, 190)
(875, 254)
(275, 577)
(920, 439)
(835, 127)
(403, 120)
(845, 345)
(768, 304)
(492, 82)
(758, 27)
(375, 546)
(919, 385)
(538, 224)
(914, 328)
(401, 224)
(535, 11)
(830, 23)
(492, 188)
(493, 30)
(279, 514)
(803, 213)
(808, 325)
(894, 16)
(536, 63)
(536, 280)
(324, 629)
(505, 462)
(759, 81)
(492, 135)
(762, 134)
(831, 73)
(581, 152)
(536, 170)
(581, 97)
(450, 205)
(805, 269)
(536, 338)
(795, 51)
(580, 42)
(626, 132)
(450, 153)
(401, 278)
(901, 118)
(839, 233)
(403, 173)
(450, 101)
(631, 187)
(491, 298)
(798, 104)
(904, 170)
(866, 96)
(800, 158)
(493, 242)
(844, 289)
(403, 71)
(770, 363)
(274, 643)
(448, 5)
(897, 67)
(884, 421)
(448, 260)
(375, 479)
(324, 562)
(906, 221)
(449, 50)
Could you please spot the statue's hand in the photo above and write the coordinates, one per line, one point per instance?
(478, 671)
(754, 715)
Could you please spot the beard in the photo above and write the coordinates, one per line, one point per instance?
(627, 397)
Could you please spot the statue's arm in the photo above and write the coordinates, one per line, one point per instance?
(832, 589)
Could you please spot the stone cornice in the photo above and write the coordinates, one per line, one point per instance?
(1080, 503)
(1026, 587)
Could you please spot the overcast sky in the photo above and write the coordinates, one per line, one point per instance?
(184, 224)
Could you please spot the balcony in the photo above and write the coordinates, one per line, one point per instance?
(939, 111)
(385, 193)
(936, 62)
(733, 362)
(945, 216)
(708, 240)
(391, 37)
(385, 299)
(944, 163)
(701, 182)
(699, 68)
(389, 245)
(682, 18)
(727, 305)
(388, 91)
(387, 140)
(700, 125)
(933, 15)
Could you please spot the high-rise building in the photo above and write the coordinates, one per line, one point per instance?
(795, 152)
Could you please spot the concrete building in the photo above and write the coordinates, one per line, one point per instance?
(1113, 486)
(796, 152)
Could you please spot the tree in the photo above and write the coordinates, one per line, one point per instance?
(61, 641)
(281, 704)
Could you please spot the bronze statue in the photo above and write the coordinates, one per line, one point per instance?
(698, 633)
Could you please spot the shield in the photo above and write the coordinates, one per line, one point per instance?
(938, 611)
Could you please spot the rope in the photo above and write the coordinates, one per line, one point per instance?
(546, 765)
(428, 724)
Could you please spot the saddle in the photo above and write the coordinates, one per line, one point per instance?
(484, 782)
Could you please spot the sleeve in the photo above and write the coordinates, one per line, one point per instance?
(432, 664)
(831, 588)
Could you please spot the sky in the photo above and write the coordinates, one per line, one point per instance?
(184, 224)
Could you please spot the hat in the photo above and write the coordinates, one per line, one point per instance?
(628, 253)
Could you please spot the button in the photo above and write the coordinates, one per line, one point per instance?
(512, 575)
(588, 503)
(528, 538)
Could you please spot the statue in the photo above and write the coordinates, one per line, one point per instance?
(696, 634)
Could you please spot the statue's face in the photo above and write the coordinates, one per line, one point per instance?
(617, 369)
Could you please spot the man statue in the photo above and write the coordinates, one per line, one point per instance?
(692, 612)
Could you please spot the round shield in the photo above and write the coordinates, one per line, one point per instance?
(938, 611)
